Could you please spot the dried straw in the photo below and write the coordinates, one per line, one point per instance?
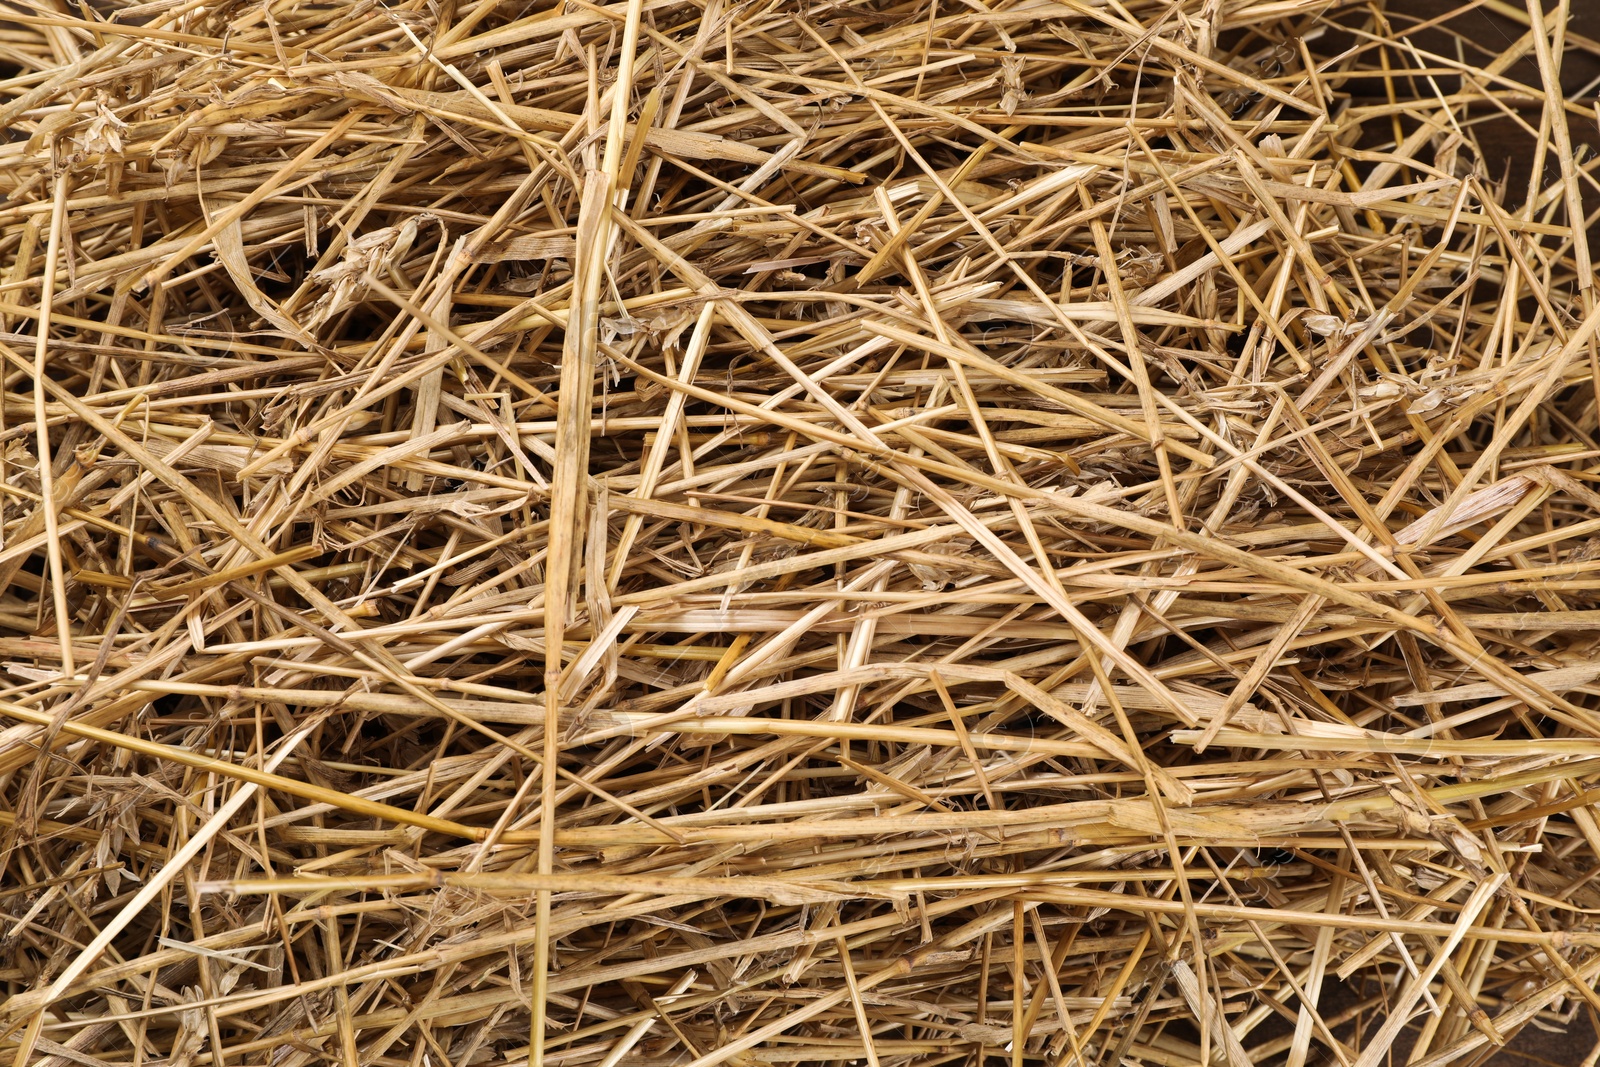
(683, 533)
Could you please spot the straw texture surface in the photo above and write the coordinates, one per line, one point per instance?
(669, 534)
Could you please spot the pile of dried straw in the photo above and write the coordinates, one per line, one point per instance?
(691, 533)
